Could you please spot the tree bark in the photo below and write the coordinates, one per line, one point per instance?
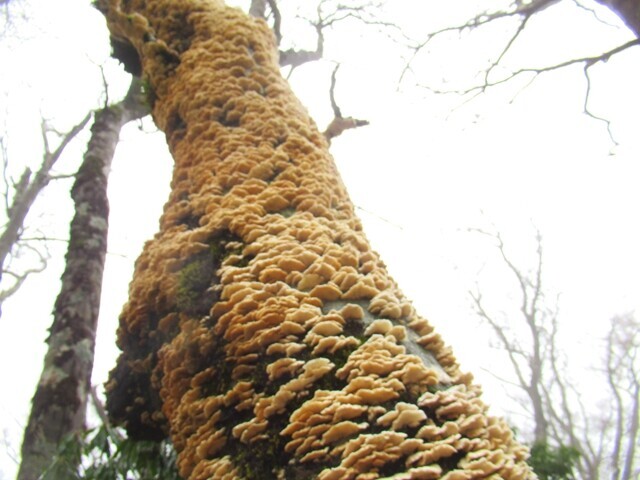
(59, 404)
(258, 9)
(624, 382)
(262, 333)
(628, 472)
(628, 11)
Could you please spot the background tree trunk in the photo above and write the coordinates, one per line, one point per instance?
(60, 402)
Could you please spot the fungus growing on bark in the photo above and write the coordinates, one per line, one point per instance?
(404, 415)
(262, 333)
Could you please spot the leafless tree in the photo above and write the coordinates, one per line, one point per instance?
(527, 338)
(622, 370)
(19, 196)
(339, 123)
(605, 439)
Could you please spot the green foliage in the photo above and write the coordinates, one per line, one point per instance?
(105, 454)
(553, 463)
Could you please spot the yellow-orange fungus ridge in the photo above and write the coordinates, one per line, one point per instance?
(262, 333)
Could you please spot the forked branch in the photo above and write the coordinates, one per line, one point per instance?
(339, 123)
(521, 13)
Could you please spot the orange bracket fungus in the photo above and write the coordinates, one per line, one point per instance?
(262, 333)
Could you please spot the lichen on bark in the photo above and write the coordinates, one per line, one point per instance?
(305, 360)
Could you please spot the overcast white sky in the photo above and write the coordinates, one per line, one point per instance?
(420, 174)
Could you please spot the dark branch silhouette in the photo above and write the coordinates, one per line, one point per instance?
(339, 123)
(521, 13)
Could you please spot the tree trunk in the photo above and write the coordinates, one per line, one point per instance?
(628, 11)
(59, 404)
(534, 389)
(628, 472)
(262, 332)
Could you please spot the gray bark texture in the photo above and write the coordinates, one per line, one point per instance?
(60, 401)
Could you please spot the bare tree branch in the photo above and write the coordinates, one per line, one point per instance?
(519, 10)
(513, 349)
(19, 279)
(521, 13)
(588, 62)
(27, 189)
(534, 318)
(593, 12)
(627, 10)
(295, 58)
(586, 109)
(339, 123)
(328, 18)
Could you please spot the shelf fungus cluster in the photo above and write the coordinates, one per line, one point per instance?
(262, 334)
